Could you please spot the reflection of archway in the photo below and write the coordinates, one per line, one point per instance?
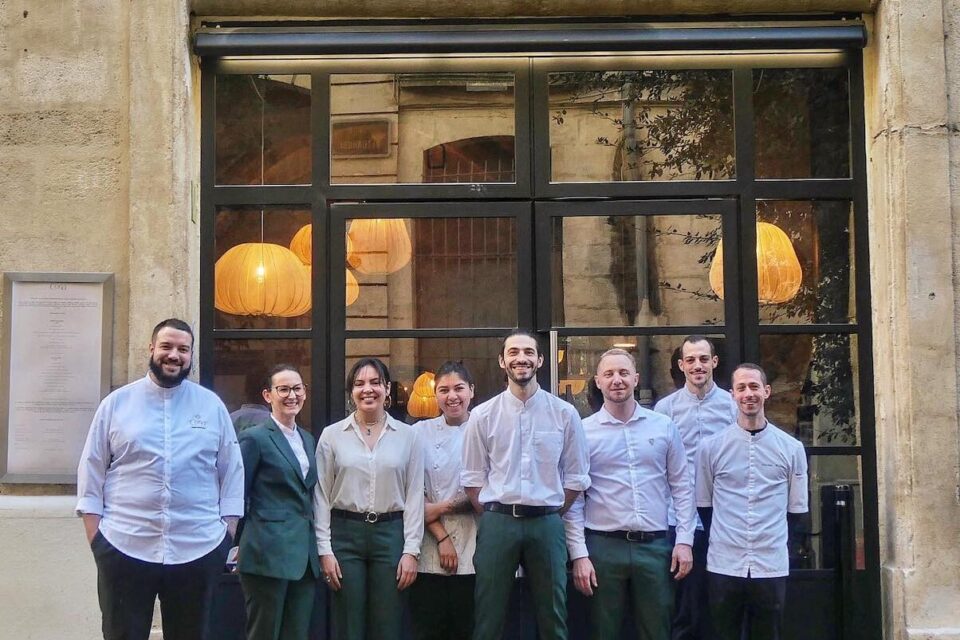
(481, 159)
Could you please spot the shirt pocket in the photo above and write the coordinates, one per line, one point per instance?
(547, 446)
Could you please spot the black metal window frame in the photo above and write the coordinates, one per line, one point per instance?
(533, 199)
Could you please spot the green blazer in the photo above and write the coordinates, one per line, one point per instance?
(278, 540)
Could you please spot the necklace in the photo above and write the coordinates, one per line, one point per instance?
(369, 425)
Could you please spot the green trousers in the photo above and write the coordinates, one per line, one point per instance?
(278, 609)
(503, 542)
(368, 605)
(640, 569)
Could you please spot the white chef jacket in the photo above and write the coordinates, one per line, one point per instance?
(162, 468)
(442, 451)
(752, 481)
(636, 468)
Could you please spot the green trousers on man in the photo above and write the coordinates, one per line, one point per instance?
(640, 570)
(504, 542)
(368, 605)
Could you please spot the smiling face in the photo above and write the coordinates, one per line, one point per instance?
(616, 378)
(171, 353)
(285, 407)
(369, 391)
(520, 359)
(697, 364)
(750, 392)
(453, 397)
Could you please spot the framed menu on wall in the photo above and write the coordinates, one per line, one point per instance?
(56, 367)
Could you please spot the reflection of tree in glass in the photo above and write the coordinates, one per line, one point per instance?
(678, 124)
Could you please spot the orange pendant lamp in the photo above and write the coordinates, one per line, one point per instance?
(778, 270)
(302, 247)
(423, 398)
(380, 246)
(261, 279)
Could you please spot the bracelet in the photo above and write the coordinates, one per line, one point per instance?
(443, 538)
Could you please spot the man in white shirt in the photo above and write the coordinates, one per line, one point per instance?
(617, 532)
(699, 409)
(751, 478)
(524, 463)
(160, 488)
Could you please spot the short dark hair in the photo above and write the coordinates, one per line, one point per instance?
(274, 370)
(696, 337)
(520, 332)
(455, 367)
(751, 367)
(173, 323)
(376, 363)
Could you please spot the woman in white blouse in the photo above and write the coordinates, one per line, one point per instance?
(368, 507)
(442, 598)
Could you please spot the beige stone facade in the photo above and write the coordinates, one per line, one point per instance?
(99, 155)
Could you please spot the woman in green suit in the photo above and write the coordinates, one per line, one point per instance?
(278, 562)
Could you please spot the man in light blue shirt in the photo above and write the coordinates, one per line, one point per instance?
(699, 409)
(160, 489)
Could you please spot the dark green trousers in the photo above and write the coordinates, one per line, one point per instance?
(441, 607)
(368, 605)
(640, 570)
(278, 609)
(503, 542)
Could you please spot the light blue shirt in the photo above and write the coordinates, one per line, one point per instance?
(525, 452)
(162, 468)
(697, 419)
(636, 468)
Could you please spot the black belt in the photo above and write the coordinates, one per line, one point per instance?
(370, 518)
(631, 536)
(520, 510)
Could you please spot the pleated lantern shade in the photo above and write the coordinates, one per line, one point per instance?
(261, 279)
(423, 398)
(380, 246)
(778, 270)
(302, 247)
(353, 288)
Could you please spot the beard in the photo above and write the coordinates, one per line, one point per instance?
(524, 381)
(167, 380)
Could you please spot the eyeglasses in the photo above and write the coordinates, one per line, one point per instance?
(284, 391)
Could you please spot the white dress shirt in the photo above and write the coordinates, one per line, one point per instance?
(442, 450)
(636, 467)
(697, 418)
(525, 452)
(162, 468)
(355, 478)
(752, 481)
(296, 443)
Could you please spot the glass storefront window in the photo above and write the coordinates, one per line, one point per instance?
(262, 275)
(263, 129)
(408, 358)
(801, 123)
(628, 126)
(415, 128)
(431, 273)
(820, 551)
(635, 270)
(821, 269)
(242, 367)
(814, 378)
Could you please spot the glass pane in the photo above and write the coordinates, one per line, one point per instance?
(242, 367)
(431, 272)
(815, 391)
(806, 270)
(820, 551)
(635, 271)
(656, 358)
(422, 128)
(408, 358)
(263, 129)
(802, 123)
(655, 124)
(262, 271)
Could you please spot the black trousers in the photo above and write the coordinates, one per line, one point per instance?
(691, 612)
(128, 588)
(749, 606)
(442, 607)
